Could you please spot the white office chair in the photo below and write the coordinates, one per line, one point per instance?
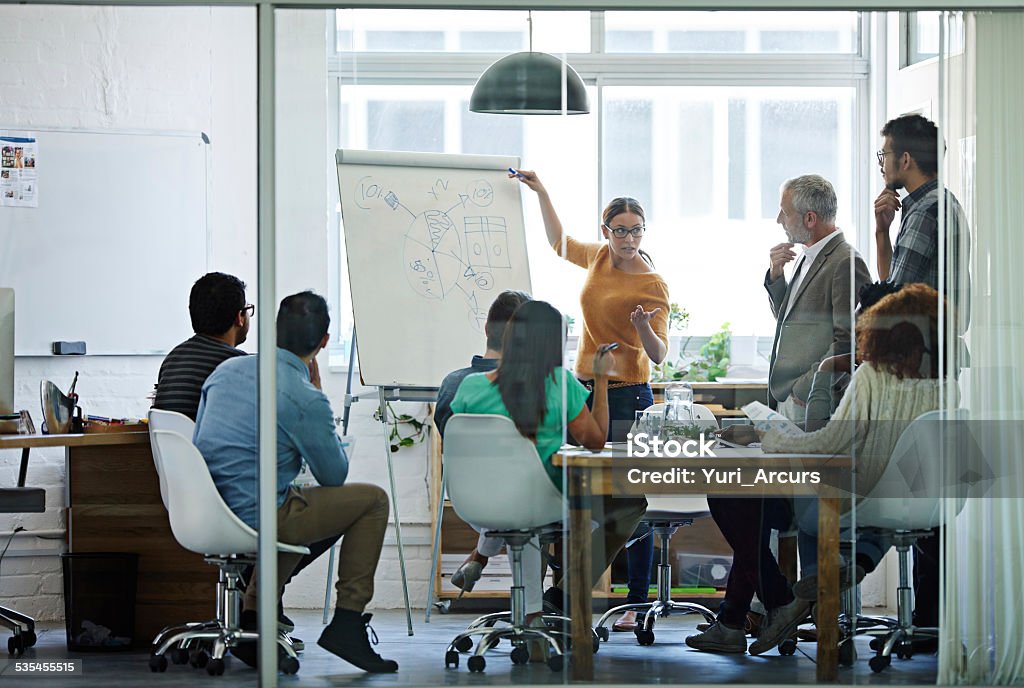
(497, 482)
(203, 523)
(665, 515)
(175, 422)
(931, 466)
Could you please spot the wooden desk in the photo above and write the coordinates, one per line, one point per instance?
(590, 474)
(113, 505)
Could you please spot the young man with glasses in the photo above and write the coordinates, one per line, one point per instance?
(220, 319)
(909, 160)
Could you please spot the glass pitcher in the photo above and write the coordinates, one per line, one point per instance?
(678, 405)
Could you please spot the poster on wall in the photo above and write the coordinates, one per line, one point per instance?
(19, 160)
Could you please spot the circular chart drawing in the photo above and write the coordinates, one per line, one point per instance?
(432, 254)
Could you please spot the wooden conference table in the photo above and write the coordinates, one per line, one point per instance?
(591, 474)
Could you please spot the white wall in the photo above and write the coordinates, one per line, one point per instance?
(185, 69)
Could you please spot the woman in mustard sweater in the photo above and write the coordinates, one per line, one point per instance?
(623, 300)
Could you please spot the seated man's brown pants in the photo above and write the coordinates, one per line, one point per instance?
(358, 512)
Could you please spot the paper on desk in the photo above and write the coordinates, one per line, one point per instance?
(765, 419)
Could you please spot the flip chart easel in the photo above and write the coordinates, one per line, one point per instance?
(430, 240)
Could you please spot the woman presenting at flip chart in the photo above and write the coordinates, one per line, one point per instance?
(625, 301)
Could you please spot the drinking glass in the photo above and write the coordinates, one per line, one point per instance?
(648, 423)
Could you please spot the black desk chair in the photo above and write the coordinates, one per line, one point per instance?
(20, 500)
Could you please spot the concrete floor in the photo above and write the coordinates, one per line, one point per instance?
(421, 660)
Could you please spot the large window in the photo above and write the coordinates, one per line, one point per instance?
(921, 35)
(708, 162)
(701, 116)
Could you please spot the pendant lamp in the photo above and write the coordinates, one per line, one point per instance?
(529, 83)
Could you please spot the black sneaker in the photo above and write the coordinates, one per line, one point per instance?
(287, 626)
(346, 636)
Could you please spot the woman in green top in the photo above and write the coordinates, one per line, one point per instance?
(529, 387)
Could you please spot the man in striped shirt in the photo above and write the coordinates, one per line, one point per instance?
(220, 319)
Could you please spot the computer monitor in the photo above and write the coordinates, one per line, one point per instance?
(6, 351)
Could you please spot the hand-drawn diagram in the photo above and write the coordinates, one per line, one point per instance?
(450, 249)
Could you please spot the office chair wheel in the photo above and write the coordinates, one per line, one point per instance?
(904, 651)
(215, 667)
(847, 653)
(597, 644)
(787, 647)
(157, 664)
(288, 665)
(476, 664)
(644, 637)
(179, 655)
(879, 662)
(602, 633)
(451, 659)
(16, 645)
(198, 658)
(464, 644)
(556, 662)
(520, 655)
(28, 638)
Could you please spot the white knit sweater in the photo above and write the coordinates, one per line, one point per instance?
(856, 427)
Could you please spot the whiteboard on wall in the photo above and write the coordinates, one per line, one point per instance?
(111, 252)
(431, 240)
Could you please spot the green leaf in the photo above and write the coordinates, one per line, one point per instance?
(406, 442)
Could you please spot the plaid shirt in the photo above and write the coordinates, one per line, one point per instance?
(915, 257)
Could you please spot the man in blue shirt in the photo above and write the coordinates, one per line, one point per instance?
(226, 435)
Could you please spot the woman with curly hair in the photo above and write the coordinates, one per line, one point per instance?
(897, 381)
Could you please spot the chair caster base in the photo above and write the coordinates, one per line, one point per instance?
(215, 667)
(157, 664)
(644, 637)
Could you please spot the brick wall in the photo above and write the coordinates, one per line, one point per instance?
(186, 69)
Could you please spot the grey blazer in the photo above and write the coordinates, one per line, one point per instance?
(819, 323)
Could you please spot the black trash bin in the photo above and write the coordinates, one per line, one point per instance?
(99, 600)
